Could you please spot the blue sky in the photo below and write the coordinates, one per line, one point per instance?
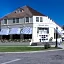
(52, 8)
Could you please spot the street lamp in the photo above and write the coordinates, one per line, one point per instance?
(56, 37)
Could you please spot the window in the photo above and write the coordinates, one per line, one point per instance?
(27, 19)
(19, 10)
(22, 10)
(17, 20)
(13, 20)
(43, 30)
(5, 21)
(47, 30)
(37, 19)
(41, 19)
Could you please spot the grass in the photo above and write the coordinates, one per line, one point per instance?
(20, 49)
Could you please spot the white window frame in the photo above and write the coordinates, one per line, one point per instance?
(36, 19)
(5, 23)
(15, 21)
(41, 19)
(25, 20)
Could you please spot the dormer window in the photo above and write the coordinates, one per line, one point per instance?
(22, 10)
(19, 10)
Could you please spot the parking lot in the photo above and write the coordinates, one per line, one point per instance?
(50, 57)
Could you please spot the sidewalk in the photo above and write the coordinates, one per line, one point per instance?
(61, 46)
(41, 46)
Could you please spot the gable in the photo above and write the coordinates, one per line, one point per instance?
(24, 11)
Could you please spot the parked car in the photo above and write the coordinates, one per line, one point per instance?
(59, 40)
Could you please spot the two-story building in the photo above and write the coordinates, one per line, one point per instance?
(27, 23)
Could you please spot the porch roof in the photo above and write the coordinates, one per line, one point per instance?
(26, 30)
(14, 31)
(4, 31)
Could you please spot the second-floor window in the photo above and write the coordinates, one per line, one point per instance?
(27, 19)
(41, 20)
(5, 21)
(15, 20)
(37, 19)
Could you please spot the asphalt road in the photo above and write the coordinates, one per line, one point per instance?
(51, 57)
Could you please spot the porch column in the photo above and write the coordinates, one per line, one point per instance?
(21, 37)
(0, 37)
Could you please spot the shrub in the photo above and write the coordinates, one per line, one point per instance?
(47, 45)
(51, 39)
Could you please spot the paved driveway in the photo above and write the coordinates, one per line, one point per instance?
(51, 57)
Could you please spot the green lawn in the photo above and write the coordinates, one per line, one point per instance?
(20, 49)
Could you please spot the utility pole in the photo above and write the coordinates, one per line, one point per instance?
(56, 37)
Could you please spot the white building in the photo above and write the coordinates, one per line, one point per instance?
(27, 23)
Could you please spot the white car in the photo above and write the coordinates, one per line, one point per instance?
(59, 40)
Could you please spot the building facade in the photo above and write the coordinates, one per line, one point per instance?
(27, 23)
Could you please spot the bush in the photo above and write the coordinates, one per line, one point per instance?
(51, 39)
(47, 45)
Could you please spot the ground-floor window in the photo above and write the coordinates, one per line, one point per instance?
(41, 30)
(27, 36)
(24, 36)
(16, 37)
(6, 37)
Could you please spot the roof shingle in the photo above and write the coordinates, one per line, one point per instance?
(27, 11)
